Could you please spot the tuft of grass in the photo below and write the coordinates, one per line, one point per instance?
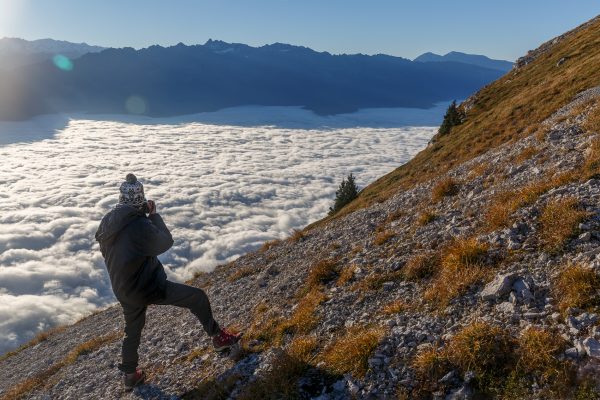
(241, 272)
(303, 348)
(421, 266)
(303, 319)
(395, 307)
(538, 352)
(430, 365)
(394, 216)
(559, 222)
(322, 273)
(21, 389)
(425, 217)
(462, 264)
(592, 122)
(526, 154)
(485, 349)
(375, 280)
(383, 237)
(297, 236)
(446, 187)
(506, 203)
(479, 170)
(346, 275)
(577, 286)
(349, 353)
(267, 245)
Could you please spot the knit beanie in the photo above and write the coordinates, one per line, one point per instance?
(132, 192)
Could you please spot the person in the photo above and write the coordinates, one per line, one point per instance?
(130, 242)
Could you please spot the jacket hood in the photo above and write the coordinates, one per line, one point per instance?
(115, 220)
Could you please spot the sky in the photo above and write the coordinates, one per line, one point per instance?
(407, 28)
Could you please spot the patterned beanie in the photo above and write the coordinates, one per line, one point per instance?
(132, 192)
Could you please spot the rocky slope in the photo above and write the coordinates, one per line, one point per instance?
(482, 282)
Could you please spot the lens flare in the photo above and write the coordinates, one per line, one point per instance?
(135, 105)
(62, 62)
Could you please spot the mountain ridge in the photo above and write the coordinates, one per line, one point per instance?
(475, 59)
(180, 79)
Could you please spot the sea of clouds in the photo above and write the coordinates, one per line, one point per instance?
(224, 183)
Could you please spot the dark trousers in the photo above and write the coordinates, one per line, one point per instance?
(177, 294)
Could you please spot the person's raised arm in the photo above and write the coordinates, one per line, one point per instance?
(155, 237)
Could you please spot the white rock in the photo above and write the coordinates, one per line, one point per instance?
(497, 288)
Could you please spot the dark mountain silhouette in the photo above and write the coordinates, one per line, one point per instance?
(473, 59)
(184, 79)
(16, 52)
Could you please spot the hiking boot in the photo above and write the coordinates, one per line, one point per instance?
(133, 379)
(224, 340)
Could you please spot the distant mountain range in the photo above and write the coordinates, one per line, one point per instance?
(177, 80)
(474, 59)
(15, 52)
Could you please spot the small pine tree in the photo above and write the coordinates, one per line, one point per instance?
(346, 192)
(452, 118)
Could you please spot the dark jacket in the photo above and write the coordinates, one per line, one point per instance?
(129, 242)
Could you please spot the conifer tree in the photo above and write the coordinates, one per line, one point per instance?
(452, 118)
(347, 191)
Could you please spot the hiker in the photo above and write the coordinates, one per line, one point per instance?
(130, 242)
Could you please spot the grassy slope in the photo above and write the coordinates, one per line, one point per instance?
(508, 109)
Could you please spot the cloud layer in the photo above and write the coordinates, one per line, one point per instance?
(221, 189)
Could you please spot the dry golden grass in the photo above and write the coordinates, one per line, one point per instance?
(462, 264)
(22, 388)
(395, 307)
(321, 273)
(421, 266)
(303, 348)
(383, 237)
(197, 352)
(297, 236)
(430, 366)
(446, 187)
(577, 286)
(479, 170)
(346, 275)
(502, 111)
(526, 154)
(349, 352)
(538, 352)
(241, 272)
(394, 216)
(303, 319)
(592, 122)
(425, 217)
(559, 222)
(375, 281)
(482, 348)
(267, 245)
(279, 382)
(504, 204)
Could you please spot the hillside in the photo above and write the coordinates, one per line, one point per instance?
(470, 272)
(178, 80)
